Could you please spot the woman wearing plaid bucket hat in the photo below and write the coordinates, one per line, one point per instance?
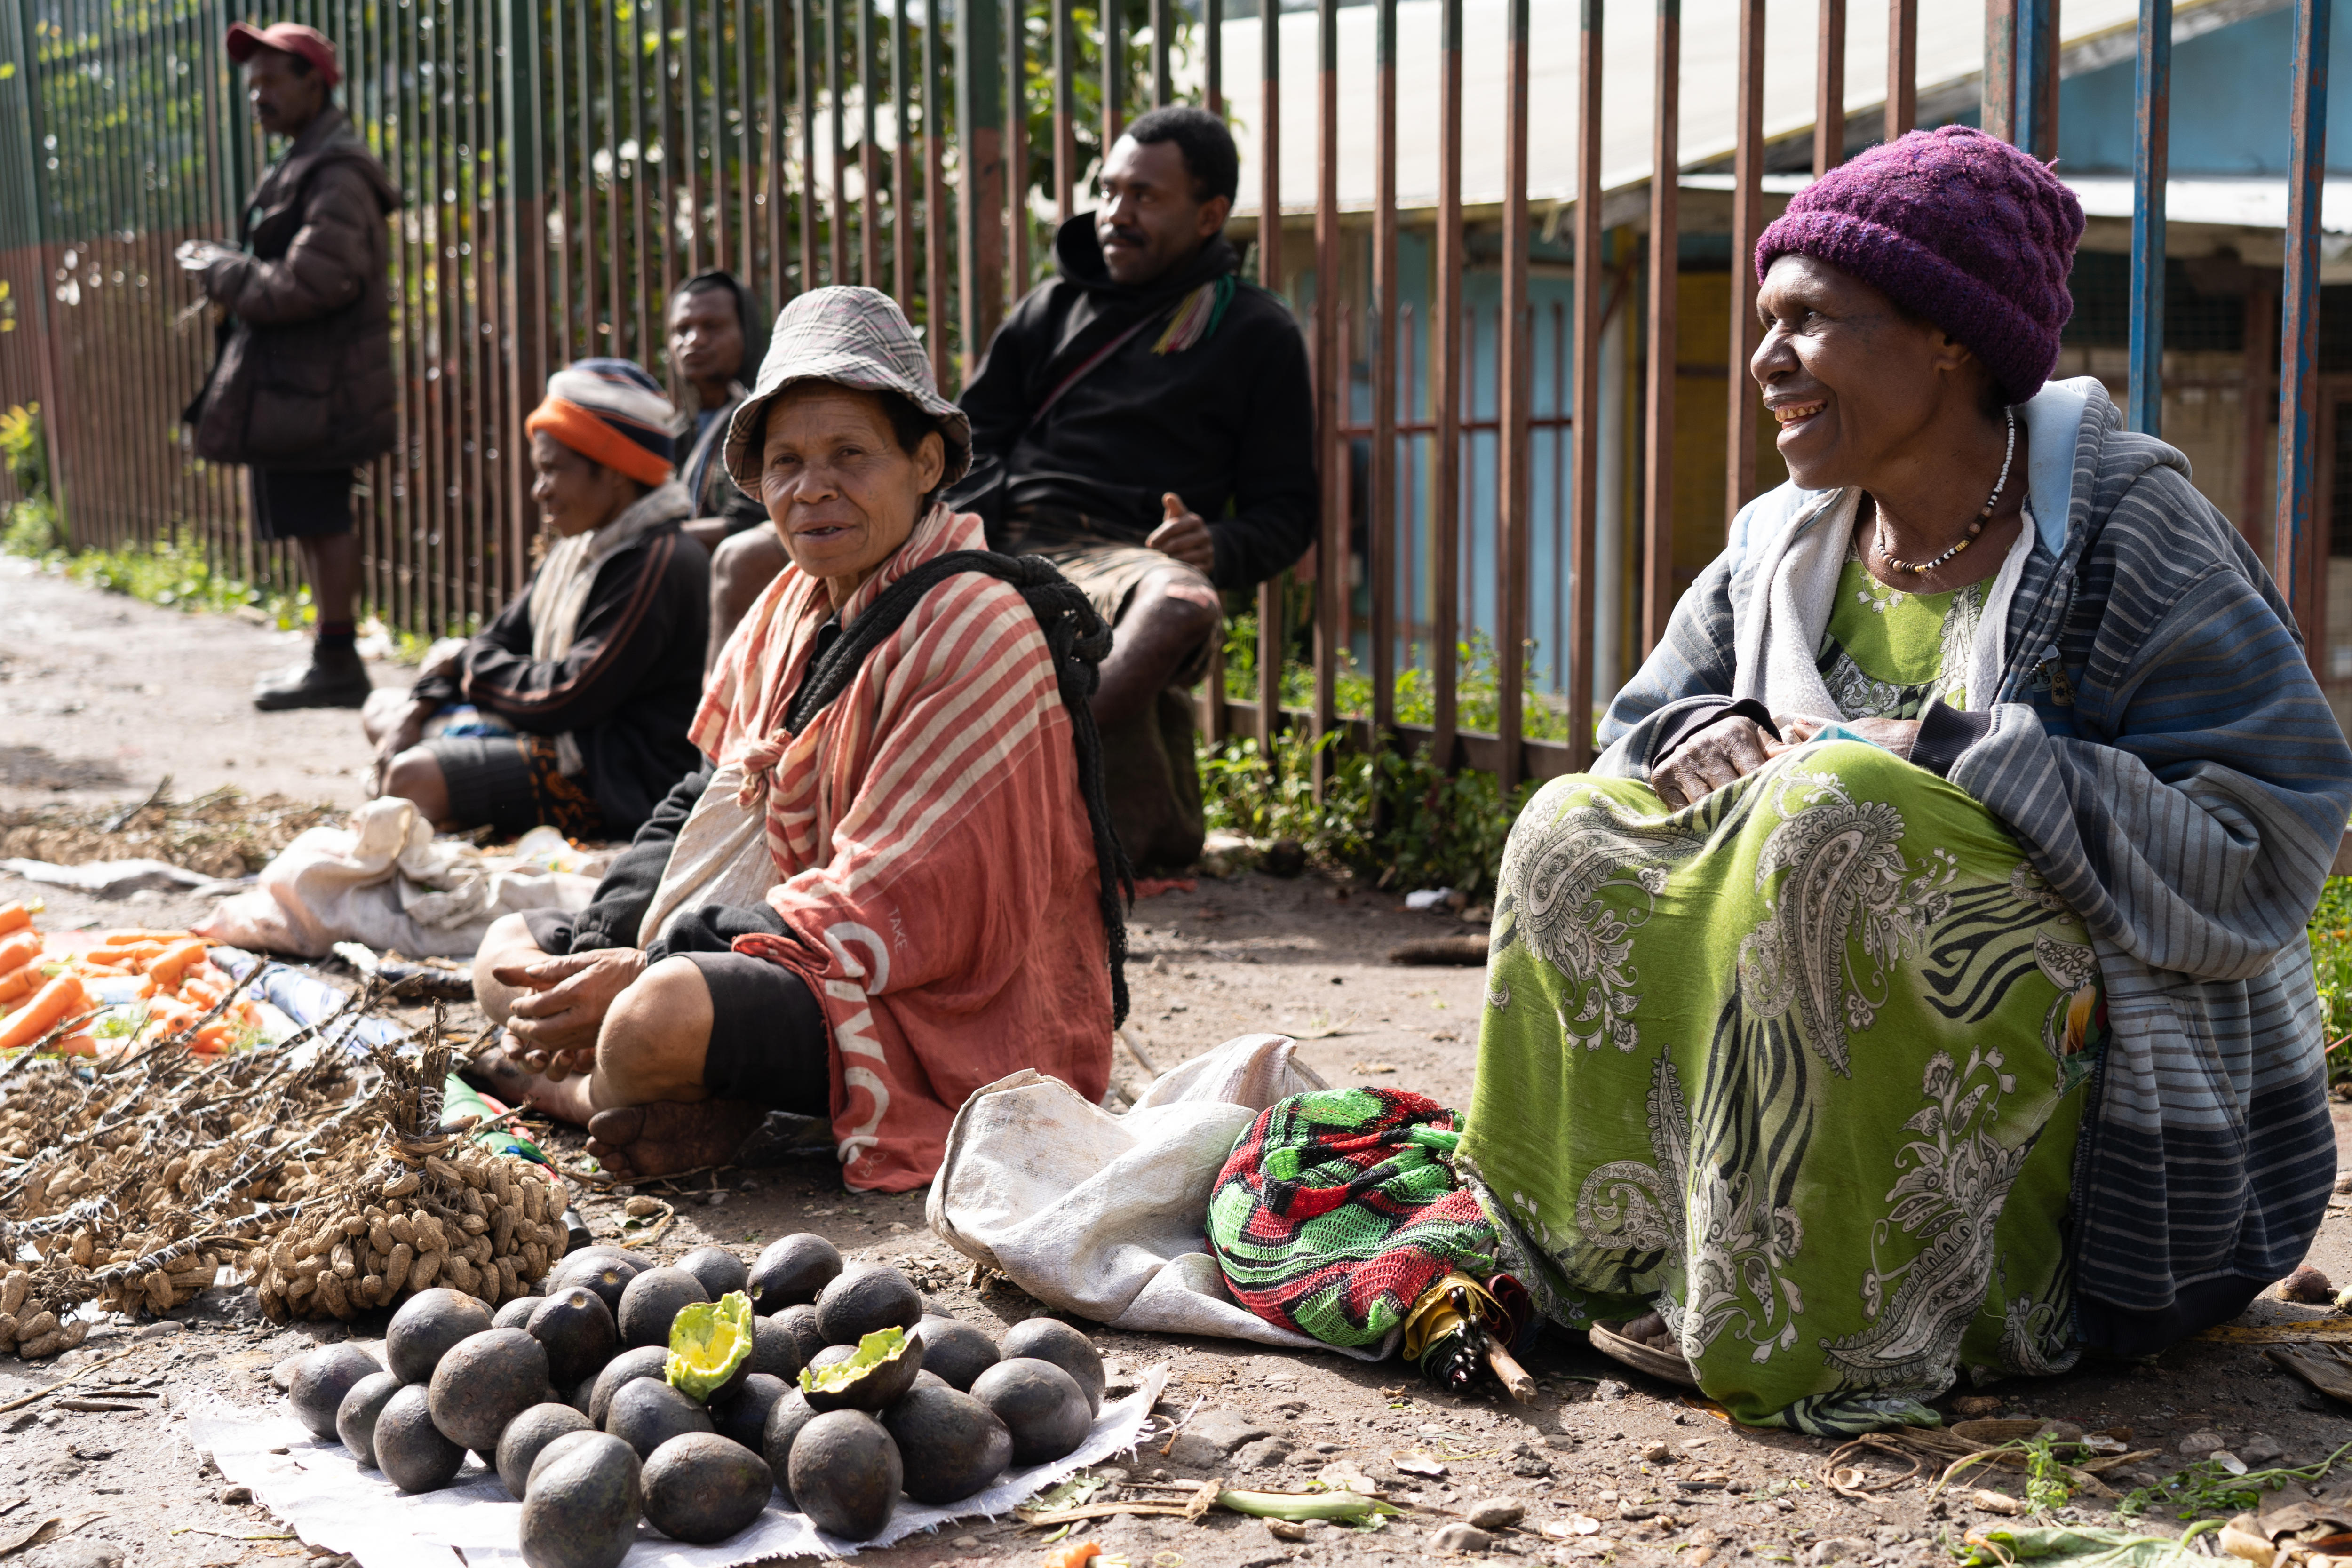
(890, 884)
(1917, 982)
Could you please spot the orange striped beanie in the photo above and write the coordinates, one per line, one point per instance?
(610, 412)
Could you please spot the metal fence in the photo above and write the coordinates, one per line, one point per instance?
(566, 164)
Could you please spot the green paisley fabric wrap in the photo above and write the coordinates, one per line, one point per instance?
(1800, 1067)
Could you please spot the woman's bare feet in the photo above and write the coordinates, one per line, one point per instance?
(566, 1099)
(669, 1136)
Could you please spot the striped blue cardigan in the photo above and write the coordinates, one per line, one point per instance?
(2160, 747)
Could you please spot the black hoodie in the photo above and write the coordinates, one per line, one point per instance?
(1230, 419)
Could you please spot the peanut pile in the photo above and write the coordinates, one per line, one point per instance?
(331, 1185)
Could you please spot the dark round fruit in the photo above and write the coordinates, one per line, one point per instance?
(719, 1271)
(652, 1302)
(577, 1329)
(800, 1321)
(606, 1270)
(321, 1378)
(882, 1384)
(582, 1507)
(949, 1443)
(785, 1419)
(646, 1361)
(792, 1271)
(484, 1383)
(582, 1392)
(1050, 1339)
(409, 1448)
(645, 1414)
(927, 1378)
(569, 1442)
(355, 1417)
(845, 1474)
(528, 1435)
(863, 1299)
(742, 1416)
(702, 1488)
(516, 1314)
(957, 1352)
(426, 1325)
(775, 1350)
(1040, 1404)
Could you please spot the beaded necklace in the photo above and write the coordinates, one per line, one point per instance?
(1976, 526)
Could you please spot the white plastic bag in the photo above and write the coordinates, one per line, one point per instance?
(1105, 1215)
(386, 881)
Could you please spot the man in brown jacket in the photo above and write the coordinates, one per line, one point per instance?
(302, 390)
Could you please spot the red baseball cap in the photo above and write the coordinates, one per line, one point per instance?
(287, 38)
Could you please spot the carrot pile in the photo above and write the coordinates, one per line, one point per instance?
(141, 985)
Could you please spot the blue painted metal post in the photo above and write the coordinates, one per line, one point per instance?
(2151, 156)
(2036, 103)
(2295, 559)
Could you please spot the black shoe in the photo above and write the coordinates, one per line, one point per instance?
(329, 681)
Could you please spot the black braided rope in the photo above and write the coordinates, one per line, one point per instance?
(1077, 639)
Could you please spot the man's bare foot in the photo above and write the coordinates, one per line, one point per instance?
(565, 1100)
(669, 1136)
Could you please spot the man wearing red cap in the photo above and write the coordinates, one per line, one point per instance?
(302, 388)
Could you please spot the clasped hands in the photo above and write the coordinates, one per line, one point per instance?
(1735, 746)
(552, 1028)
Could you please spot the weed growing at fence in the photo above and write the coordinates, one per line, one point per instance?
(2331, 962)
(1478, 686)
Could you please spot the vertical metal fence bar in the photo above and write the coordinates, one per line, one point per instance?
(1902, 68)
(628, 339)
(1163, 29)
(747, 164)
(1269, 277)
(1446, 383)
(1584, 516)
(936, 224)
(1665, 289)
(869, 154)
(655, 268)
(1114, 69)
(1829, 88)
(2296, 561)
(1515, 526)
(667, 122)
(714, 124)
(1999, 93)
(1213, 56)
(1380, 521)
(805, 53)
(2151, 154)
(1016, 145)
(980, 128)
(2037, 77)
(1330, 375)
(1746, 223)
(902, 165)
(1066, 149)
(836, 146)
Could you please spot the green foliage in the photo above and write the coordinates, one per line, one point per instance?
(2331, 963)
(1477, 685)
(175, 572)
(1242, 794)
(26, 455)
(2207, 1487)
(31, 529)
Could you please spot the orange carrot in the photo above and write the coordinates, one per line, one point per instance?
(18, 950)
(200, 993)
(78, 1046)
(130, 934)
(173, 960)
(52, 1005)
(127, 955)
(19, 984)
(14, 917)
(1077, 1554)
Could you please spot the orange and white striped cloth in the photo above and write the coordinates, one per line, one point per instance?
(935, 869)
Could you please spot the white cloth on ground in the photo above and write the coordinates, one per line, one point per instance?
(1106, 1216)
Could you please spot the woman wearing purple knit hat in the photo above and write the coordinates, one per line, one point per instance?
(1918, 987)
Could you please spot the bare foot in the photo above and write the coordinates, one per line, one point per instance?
(669, 1136)
(566, 1099)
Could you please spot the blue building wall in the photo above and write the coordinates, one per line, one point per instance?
(2214, 78)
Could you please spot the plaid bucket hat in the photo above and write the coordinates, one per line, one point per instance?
(851, 337)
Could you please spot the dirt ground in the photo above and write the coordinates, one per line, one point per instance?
(1655, 1477)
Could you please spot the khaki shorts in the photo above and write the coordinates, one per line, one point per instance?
(1108, 575)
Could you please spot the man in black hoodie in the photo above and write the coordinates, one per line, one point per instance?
(1145, 420)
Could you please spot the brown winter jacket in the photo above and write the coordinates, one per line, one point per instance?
(303, 377)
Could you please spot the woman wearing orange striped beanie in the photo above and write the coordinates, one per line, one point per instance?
(581, 690)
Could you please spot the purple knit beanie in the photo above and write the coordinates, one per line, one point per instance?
(1954, 226)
